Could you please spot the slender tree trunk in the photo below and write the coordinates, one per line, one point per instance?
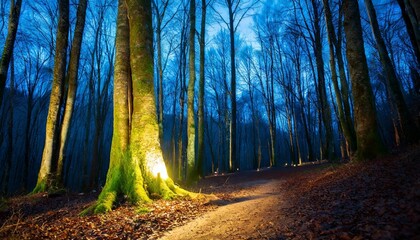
(410, 30)
(159, 75)
(325, 107)
(72, 76)
(10, 147)
(369, 142)
(295, 129)
(28, 147)
(9, 43)
(410, 133)
(182, 72)
(173, 132)
(344, 85)
(192, 174)
(412, 7)
(200, 154)
(348, 133)
(232, 138)
(46, 180)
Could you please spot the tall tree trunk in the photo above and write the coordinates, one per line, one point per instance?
(201, 83)
(369, 142)
(46, 178)
(9, 152)
(28, 147)
(159, 75)
(345, 126)
(412, 8)
(136, 157)
(232, 138)
(9, 43)
(410, 30)
(343, 82)
(182, 72)
(410, 133)
(192, 174)
(325, 107)
(72, 76)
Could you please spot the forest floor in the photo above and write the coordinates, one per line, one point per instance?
(372, 200)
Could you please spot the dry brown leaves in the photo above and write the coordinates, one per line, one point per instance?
(36, 217)
(375, 200)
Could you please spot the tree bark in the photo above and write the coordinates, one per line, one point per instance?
(201, 86)
(192, 174)
(136, 157)
(410, 133)
(72, 76)
(345, 125)
(325, 107)
(369, 143)
(9, 43)
(10, 146)
(46, 178)
(232, 142)
(410, 30)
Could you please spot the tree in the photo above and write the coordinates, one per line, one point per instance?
(13, 24)
(136, 158)
(369, 143)
(201, 86)
(71, 79)
(409, 133)
(410, 29)
(325, 107)
(341, 94)
(161, 9)
(192, 174)
(237, 11)
(46, 179)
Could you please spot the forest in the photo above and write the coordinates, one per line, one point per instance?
(150, 109)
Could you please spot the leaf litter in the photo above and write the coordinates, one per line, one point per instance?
(368, 200)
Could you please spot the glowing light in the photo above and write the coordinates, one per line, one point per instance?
(155, 164)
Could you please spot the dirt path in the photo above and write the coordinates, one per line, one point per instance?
(253, 208)
(253, 213)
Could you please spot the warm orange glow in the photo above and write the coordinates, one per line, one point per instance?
(156, 165)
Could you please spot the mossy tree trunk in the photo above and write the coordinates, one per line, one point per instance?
(409, 133)
(137, 169)
(369, 143)
(46, 178)
(192, 174)
(9, 43)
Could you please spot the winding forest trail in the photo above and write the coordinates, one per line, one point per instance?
(253, 212)
(370, 200)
